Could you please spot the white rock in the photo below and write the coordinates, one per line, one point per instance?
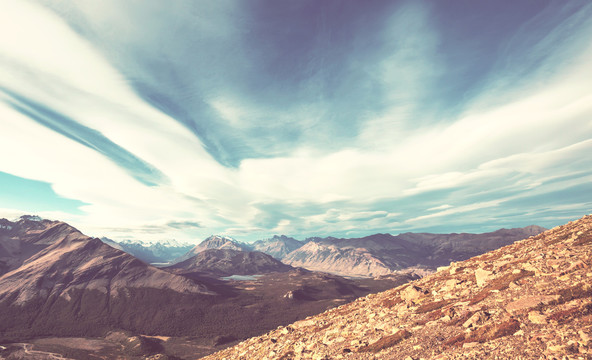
(482, 276)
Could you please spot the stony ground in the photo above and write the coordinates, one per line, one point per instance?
(529, 300)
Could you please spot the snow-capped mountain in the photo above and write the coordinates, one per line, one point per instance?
(159, 252)
(215, 242)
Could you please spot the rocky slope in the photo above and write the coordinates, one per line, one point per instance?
(225, 262)
(528, 300)
(382, 254)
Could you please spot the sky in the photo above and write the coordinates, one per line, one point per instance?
(156, 120)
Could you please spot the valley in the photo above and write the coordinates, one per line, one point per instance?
(63, 285)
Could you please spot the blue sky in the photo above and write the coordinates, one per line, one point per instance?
(155, 120)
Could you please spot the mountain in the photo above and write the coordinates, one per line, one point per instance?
(530, 300)
(61, 291)
(215, 242)
(278, 246)
(382, 254)
(226, 262)
(55, 279)
(374, 255)
(160, 252)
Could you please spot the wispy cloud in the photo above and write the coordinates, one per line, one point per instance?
(186, 119)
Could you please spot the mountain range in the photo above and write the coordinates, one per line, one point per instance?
(156, 253)
(374, 255)
(59, 287)
(382, 254)
(59, 283)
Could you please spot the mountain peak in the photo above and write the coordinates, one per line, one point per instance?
(278, 246)
(221, 242)
(225, 262)
(220, 237)
(30, 218)
(215, 242)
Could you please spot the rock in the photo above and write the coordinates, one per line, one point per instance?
(303, 324)
(527, 302)
(451, 284)
(537, 318)
(477, 319)
(586, 339)
(556, 348)
(411, 293)
(482, 276)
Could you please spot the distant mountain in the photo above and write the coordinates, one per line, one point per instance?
(215, 242)
(382, 254)
(225, 262)
(161, 252)
(372, 256)
(278, 246)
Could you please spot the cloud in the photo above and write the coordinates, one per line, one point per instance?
(457, 210)
(187, 119)
(183, 224)
(440, 207)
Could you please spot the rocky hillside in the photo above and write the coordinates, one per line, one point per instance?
(529, 300)
(382, 254)
(226, 262)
